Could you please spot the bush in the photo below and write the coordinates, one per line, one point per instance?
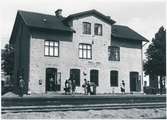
(6, 88)
(151, 90)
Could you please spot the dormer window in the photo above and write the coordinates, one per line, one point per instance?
(98, 29)
(86, 28)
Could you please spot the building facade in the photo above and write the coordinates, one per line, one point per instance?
(87, 45)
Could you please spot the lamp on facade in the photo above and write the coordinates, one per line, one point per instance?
(93, 39)
(92, 42)
(84, 74)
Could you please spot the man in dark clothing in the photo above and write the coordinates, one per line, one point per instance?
(85, 86)
(123, 87)
(88, 88)
(21, 86)
(67, 87)
(73, 85)
(51, 84)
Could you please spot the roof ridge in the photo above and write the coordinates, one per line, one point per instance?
(20, 11)
(105, 17)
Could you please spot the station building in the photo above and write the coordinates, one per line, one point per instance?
(86, 45)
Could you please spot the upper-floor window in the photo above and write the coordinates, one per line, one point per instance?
(51, 48)
(114, 78)
(114, 53)
(86, 28)
(98, 29)
(85, 51)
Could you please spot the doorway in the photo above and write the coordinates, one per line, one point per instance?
(134, 82)
(52, 84)
(75, 75)
(94, 76)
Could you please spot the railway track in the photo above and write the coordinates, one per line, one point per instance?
(49, 108)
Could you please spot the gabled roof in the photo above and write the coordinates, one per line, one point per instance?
(125, 32)
(91, 12)
(44, 21)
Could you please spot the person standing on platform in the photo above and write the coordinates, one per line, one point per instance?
(85, 86)
(88, 88)
(51, 83)
(70, 85)
(66, 89)
(73, 85)
(123, 87)
(21, 86)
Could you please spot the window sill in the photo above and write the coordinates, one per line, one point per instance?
(114, 60)
(50, 56)
(85, 58)
(98, 35)
(86, 34)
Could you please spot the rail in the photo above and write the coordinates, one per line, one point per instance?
(49, 108)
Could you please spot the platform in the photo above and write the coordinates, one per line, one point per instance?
(59, 99)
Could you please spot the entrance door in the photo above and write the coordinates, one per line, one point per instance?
(51, 80)
(134, 81)
(75, 75)
(94, 77)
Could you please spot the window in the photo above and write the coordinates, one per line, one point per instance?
(86, 28)
(94, 77)
(98, 29)
(85, 51)
(114, 53)
(75, 75)
(114, 78)
(51, 48)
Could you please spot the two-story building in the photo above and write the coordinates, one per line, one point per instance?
(86, 45)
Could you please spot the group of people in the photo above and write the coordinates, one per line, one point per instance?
(70, 86)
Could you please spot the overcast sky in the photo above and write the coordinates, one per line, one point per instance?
(145, 17)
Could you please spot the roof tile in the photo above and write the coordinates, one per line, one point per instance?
(125, 32)
(43, 21)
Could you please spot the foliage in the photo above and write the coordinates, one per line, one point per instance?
(7, 59)
(156, 54)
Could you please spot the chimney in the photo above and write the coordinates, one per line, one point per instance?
(58, 12)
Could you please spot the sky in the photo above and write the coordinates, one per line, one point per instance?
(143, 16)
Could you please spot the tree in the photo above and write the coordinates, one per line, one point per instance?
(156, 56)
(7, 60)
